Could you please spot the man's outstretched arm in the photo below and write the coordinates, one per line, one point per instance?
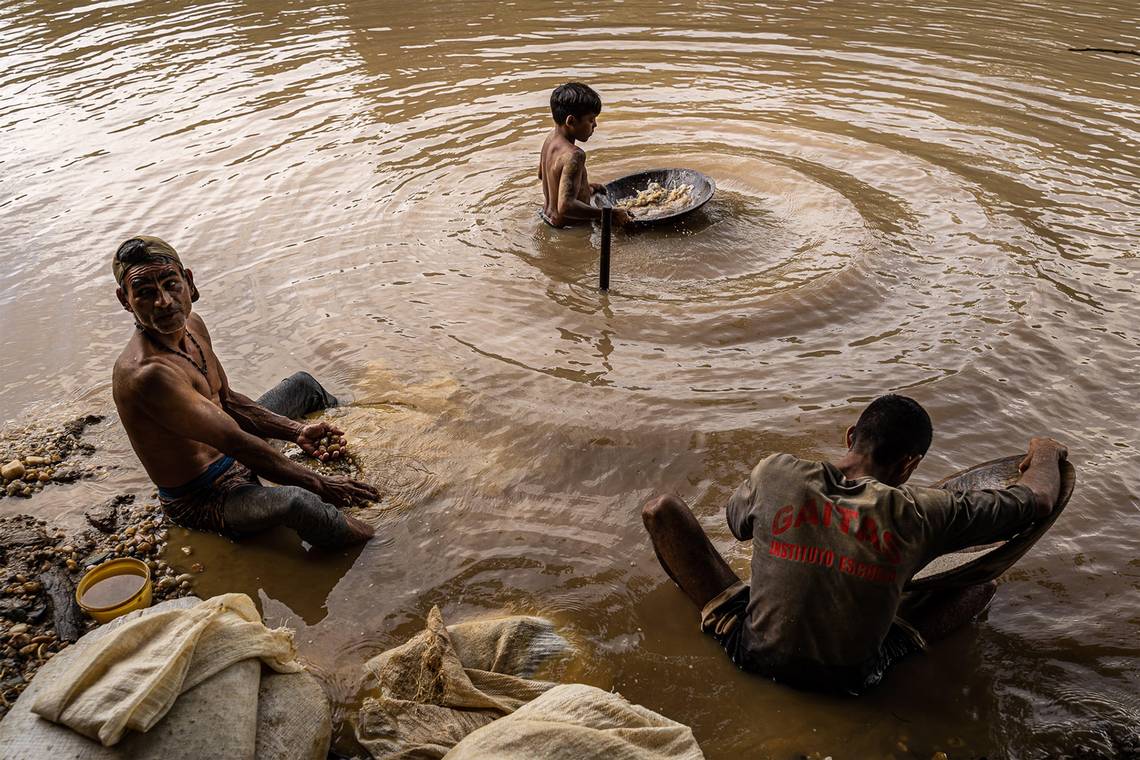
(255, 419)
(250, 415)
(169, 401)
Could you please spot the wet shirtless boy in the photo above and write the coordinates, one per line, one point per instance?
(202, 443)
(566, 189)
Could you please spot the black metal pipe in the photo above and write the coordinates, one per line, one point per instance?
(604, 263)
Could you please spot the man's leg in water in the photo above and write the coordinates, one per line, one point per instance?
(685, 551)
(297, 395)
(937, 614)
(254, 508)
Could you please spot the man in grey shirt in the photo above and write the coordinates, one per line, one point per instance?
(833, 546)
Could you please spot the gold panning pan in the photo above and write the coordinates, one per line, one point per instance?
(979, 564)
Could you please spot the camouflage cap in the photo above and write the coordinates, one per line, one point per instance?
(155, 249)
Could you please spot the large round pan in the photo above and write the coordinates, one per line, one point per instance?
(984, 563)
(703, 189)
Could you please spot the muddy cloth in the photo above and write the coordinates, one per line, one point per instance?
(130, 678)
(579, 722)
(830, 559)
(422, 698)
(447, 690)
(227, 498)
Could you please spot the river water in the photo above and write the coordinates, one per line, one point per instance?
(933, 198)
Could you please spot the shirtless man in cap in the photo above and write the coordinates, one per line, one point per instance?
(835, 544)
(202, 443)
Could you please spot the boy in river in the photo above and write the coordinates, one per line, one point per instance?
(204, 444)
(566, 189)
(833, 547)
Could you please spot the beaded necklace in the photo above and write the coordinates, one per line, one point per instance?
(203, 367)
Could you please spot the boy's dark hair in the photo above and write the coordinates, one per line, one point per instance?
(574, 99)
(893, 427)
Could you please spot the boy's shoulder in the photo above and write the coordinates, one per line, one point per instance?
(560, 146)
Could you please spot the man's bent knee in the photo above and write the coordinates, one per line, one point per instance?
(657, 511)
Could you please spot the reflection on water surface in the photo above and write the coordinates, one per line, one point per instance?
(934, 198)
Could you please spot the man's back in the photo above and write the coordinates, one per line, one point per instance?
(831, 556)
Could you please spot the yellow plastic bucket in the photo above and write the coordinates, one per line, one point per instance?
(113, 567)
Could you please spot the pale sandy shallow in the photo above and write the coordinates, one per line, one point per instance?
(933, 199)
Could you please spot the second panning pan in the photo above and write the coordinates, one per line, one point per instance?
(984, 563)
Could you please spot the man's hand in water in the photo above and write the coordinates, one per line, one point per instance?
(344, 491)
(310, 436)
(1045, 451)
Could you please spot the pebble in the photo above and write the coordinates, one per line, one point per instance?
(187, 550)
(15, 487)
(35, 461)
(198, 567)
(17, 629)
(939, 756)
(14, 470)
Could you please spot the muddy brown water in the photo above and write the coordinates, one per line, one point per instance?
(931, 198)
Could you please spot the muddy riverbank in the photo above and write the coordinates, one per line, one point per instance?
(42, 561)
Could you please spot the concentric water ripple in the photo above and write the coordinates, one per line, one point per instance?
(937, 198)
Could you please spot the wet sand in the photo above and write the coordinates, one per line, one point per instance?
(936, 200)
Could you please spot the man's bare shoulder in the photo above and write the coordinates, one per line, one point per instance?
(139, 373)
(198, 327)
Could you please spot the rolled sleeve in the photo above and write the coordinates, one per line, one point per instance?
(742, 505)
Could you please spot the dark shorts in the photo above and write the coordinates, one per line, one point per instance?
(200, 504)
(725, 618)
